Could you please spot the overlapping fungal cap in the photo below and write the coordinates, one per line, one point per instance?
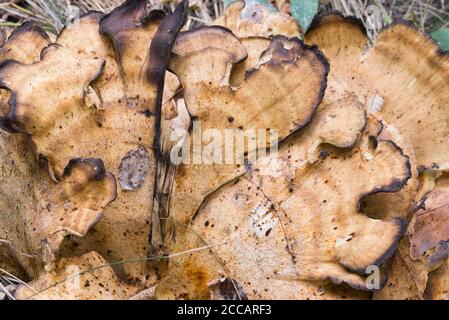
(80, 100)
(250, 19)
(293, 219)
(142, 56)
(78, 201)
(19, 168)
(423, 249)
(401, 78)
(19, 174)
(253, 24)
(56, 210)
(35, 208)
(25, 45)
(430, 226)
(438, 284)
(397, 204)
(88, 277)
(40, 213)
(283, 94)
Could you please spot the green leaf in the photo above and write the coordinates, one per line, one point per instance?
(304, 11)
(442, 37)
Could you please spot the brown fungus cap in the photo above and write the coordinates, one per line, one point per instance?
(39, 213)
(51, 103)
(79, 201)
(84, 39)
(438, 284)
(87, 277)
(397, 204)
(415, 272)
(270, 244)
(25, 45)
(253, 25)
(430, 226)
(283, 93)
(400, 78)
(254, 19)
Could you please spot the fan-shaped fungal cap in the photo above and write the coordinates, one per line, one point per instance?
(33, 85)
(23, 181)
(438, 284)
(387, 206)
(400, 79)
(254, 19)
(253, 24)
(298, 220)
(423, 249)
(430, 226)
(88, 277)
(45, 212)
(84, 39)
(78, 202)
(282, 94)
(49, 104)
(25, 45)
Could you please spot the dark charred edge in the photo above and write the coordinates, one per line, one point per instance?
(159, 56)
(90, 15)
(122, 17)
(7, 122)
(323, 85)
(380, 261)
(155, 16)
(219, 28)
(110, 176)
(396, 184)
(320, 19)
(402, 223)
(360, 133)
(95, 166)
(28, 27)
(164, 182)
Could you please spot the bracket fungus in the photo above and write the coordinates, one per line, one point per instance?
(87, 277)
(254, 24)
(38, 212)
(202, 60)
(399, 79)
(297, 221)
(419, 268)
(295, 169)
(253, 19)
(50, 103)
